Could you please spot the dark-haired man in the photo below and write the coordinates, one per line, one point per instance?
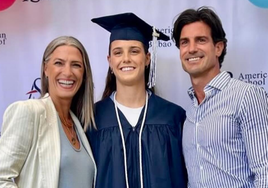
(225, 136)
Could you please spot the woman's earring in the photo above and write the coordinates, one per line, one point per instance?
(112, 72)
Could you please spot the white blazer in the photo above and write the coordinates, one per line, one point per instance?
(30, 145)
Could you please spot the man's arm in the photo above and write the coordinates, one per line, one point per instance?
(254, 124)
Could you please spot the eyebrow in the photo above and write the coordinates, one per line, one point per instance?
(76, 61)
(196, 38)
(119, 47)
(135, 47)
(58, 59)
(184, 38)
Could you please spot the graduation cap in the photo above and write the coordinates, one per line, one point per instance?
(128, 26)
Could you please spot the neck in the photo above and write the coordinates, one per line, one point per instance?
(62, 107)
(200, 82)
(199, 93)
(133, 97)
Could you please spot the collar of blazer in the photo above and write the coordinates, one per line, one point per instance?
(51, 116)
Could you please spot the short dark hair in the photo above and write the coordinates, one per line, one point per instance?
(207, 16)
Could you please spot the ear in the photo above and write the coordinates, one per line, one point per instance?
(219, 48)
(148, 59)
(109, 60)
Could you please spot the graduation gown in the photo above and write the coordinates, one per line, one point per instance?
(162, 159)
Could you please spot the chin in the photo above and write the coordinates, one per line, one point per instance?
(66, 95)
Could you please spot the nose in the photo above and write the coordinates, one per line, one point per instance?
(126, 58)
(192, 48)
(67, 70)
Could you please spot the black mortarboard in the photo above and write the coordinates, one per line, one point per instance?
(128, 26)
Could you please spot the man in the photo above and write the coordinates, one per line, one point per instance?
(225, 136)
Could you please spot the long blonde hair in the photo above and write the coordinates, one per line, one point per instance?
(83, 101)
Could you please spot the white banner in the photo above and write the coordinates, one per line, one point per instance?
(27, 26)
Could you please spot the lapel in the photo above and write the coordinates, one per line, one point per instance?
(83, 138)
(49, 145)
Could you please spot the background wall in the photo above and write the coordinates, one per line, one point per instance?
(27, 26)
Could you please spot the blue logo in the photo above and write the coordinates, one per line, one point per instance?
(35, 90)
(260, 3)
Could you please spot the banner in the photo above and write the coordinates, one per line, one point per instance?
(27, 26)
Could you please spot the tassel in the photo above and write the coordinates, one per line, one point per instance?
(152, 74)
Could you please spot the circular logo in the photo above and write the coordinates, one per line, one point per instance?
(4, 4)
(260, 3)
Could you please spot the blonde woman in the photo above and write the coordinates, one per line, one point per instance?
(43, 143)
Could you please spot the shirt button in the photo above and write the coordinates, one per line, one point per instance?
(197, 145)
(197, 124)
(201, 167)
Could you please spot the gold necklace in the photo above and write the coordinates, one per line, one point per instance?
(70, 128)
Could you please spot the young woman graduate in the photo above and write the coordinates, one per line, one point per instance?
(138, 138)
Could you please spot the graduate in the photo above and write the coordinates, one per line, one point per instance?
(138, 141)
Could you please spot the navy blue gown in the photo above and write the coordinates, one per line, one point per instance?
(162, 159)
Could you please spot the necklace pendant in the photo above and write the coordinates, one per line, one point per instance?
(73, 140)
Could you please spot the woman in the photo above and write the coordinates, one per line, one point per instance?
(43, 143)
(138, 138)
